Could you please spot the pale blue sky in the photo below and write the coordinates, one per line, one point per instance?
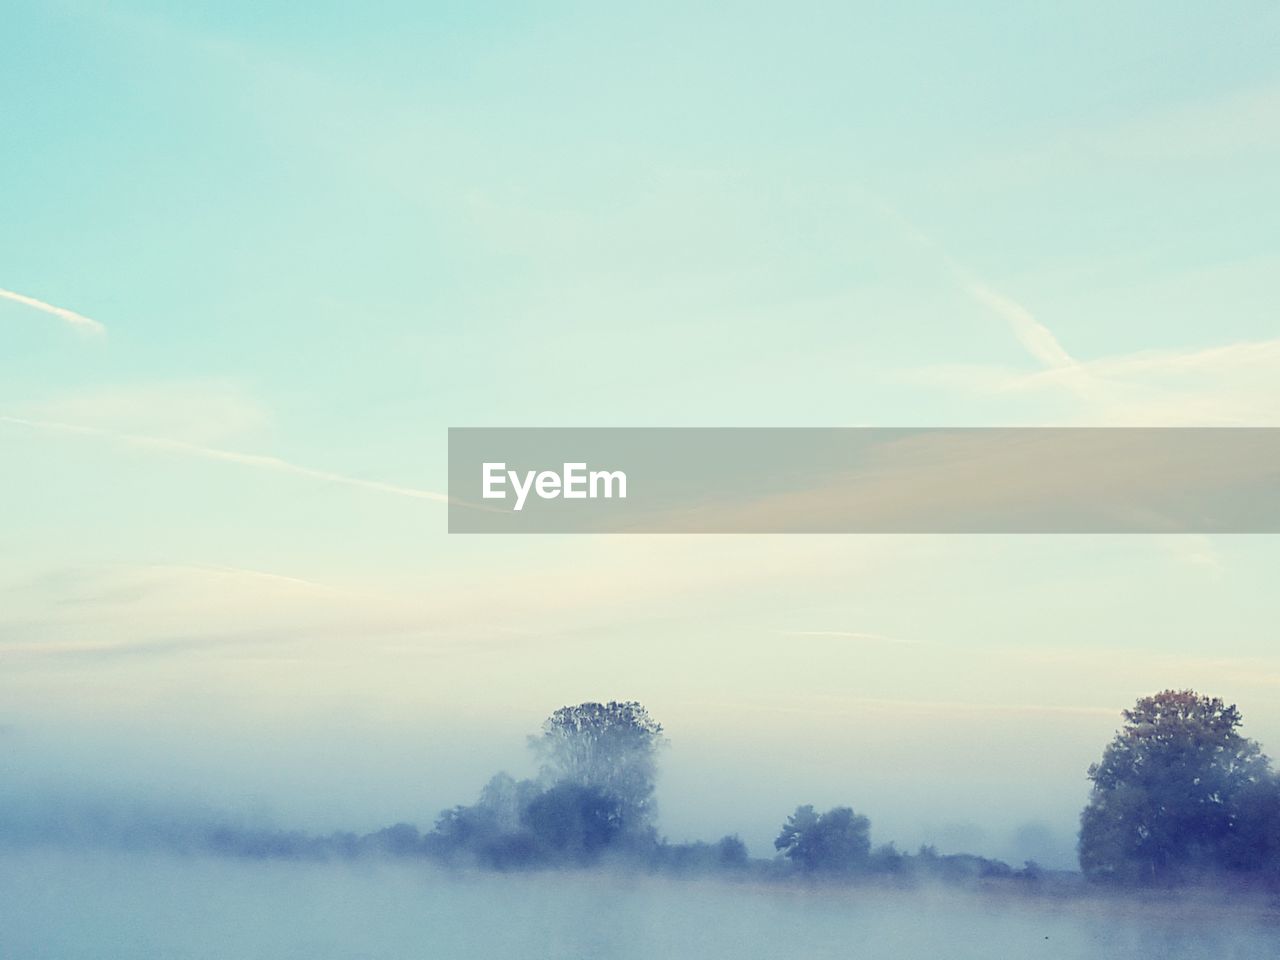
(323, 237)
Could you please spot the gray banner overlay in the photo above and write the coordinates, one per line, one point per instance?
(864, 480)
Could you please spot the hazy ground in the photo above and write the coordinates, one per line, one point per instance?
(117, 906)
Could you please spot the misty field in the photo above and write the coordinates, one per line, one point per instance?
(111, 905)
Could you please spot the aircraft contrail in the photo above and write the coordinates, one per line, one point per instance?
(1033, 335)
(228, 456)
(77, 320)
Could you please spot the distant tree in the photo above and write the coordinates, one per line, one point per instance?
(1170, 792)
(573, 822)
(731, 851)
(398, 840)
(728, 854)
(504, 798)
(610, 747)
(832, 842)
(489, 832)
(886, 858)
(462, 830)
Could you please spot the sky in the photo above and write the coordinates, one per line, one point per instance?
(253, 264)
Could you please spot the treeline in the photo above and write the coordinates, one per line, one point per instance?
(1179, 795)
(591, 803)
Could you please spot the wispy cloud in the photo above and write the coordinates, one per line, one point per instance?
(1035, 337)
(1040, 343)
(1137, 666)
(77, 320)
(1233, 384)
(209, 411)
(188, 607)
(1229, 358)
(855, 635)
(841, 706)
(260, 461)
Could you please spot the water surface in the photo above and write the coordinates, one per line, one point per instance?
(119, 906)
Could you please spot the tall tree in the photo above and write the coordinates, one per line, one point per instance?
(611, 747)
(1168, 792)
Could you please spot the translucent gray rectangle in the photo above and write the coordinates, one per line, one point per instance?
(864, 480)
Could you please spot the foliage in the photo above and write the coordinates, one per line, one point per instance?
(728, 853)
(1178, 794)
(832, 842)
(1177, 791)
(573, 822)
(611, 747)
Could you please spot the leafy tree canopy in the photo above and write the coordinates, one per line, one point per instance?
(1168, 790)
(832, 842)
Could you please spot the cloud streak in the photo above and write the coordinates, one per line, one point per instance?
(77, 320)
(1036, 339)
(259, 461)
(1226, 385)
(848, 635)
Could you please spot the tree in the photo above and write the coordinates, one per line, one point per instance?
(462, 830)
(731, 851)
(1255, 841)
(611, 747)
(505, 797)
(1169, 791)
(832, 842)
(573, 822)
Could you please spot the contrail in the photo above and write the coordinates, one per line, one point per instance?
(1036, 338)
(228, 456)
(77, 320)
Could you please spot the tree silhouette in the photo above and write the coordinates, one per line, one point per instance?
(611, 747)
(1168, 791)
(832, 842)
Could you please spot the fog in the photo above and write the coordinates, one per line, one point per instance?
(331, 785)
(69, 904)
(323, 709)
(359, 772)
